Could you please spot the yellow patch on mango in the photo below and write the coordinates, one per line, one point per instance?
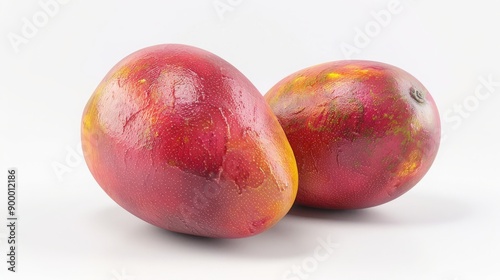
(334, 75)
(411, 164)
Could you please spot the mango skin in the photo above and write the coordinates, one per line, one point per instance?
(363, 132)
(181, 139)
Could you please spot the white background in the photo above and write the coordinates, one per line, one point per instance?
(446, 228)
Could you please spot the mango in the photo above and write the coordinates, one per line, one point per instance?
(363, 132)
(180, 138)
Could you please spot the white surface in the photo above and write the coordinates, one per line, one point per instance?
(446, 228)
